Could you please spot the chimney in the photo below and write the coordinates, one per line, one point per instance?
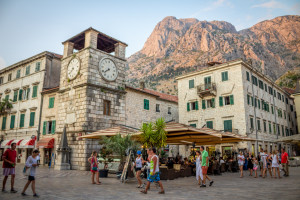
(142, 85)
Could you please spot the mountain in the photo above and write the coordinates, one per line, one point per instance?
(178, 46)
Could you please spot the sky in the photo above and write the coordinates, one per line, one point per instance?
(29, 27)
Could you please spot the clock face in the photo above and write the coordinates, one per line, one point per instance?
(108, 69)
(73, 68)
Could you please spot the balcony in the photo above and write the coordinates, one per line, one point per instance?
(207, 90)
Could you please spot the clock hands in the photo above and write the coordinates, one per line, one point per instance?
(107, 70)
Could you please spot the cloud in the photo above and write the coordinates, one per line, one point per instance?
(270, 4)
(2, 63)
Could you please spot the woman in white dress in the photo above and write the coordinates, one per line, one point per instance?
(275, 164)
(199, 175)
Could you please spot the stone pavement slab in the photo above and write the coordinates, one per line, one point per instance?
(51, 184)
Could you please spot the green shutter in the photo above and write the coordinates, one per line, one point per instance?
(258, 102)
(53, 127)
(3, 123)
(188, 106)
(196, 105)
(248, 76)
(252, 101)
(191, 83)
(220, 101)
(231, 100)
(224, 76)
(193, 125)
(15, 95)
(248, 99)
(51, 103)
(251, 123)
(12, 121)
(7, 97)
(228, 125)
(31, 122)
(34, 93)
(270, 128)
(209, 124)
(44, 127)
(22, 119)
(20, 94)
(213, 102)
(37, 66)
(203, 104)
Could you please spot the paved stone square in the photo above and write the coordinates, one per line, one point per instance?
(76, 185)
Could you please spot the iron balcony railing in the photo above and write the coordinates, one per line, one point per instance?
(207, 89)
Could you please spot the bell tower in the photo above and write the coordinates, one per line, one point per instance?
(92, 90)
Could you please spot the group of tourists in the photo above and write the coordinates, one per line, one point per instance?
(271, 162)
(9, 164)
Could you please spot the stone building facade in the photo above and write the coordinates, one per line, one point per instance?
(237, 97)
(296, 96)
(23, 83)
(144, 105)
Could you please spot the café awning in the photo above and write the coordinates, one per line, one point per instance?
(291, 139)
(18, 142)
(110, 132)
(27, 143)
(6, 143)
(47, 143)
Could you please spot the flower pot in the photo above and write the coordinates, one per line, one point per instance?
(103, 173)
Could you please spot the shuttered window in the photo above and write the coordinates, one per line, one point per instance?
(213, 103)
(22, 119)
(7, 97)
(51, 102)
(270, 128)
(146, 104)
(231, 100)
(27, 70)
(248, 76)
(44, 127)
(203, 104)
(209, 124)
(258, 125)
(191, 83)
(196, 105)
(224, 76)
(18, 74)
(220, 101)
(193, 125)
(31, 122)
(12, 121)
(34, 93)
(258, 103)
(265, 126)
(248, 99)
(188, 107)
(37, 66)
(228, 125)
(255, 102)
(27, 93)
(3, 123)
(20, 94)
(15, 95)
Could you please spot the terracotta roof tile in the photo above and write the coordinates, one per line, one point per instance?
(289, 90)
(160, 95)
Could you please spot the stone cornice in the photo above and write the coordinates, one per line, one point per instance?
(93, 85)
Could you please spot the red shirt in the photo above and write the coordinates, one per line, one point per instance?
(11, 156)
(284, 157)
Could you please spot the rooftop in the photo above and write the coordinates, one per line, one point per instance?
(160, 95)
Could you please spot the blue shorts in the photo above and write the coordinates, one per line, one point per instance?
(154, 178)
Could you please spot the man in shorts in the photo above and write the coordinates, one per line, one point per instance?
(285, 162)
(204, 166)
(9, 163)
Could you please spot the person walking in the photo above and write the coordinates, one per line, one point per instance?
(94, 168)
(138, 168)
(255, 166)
(199, 175)
(241, 160)
(31, 164)
(260, 161)
(154, 171)
(204, 166)
(275, 164)
(264, 163)
(250, 164)
(285, 162)
(9, 163)
(269, 164)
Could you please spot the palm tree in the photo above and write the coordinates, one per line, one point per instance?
(5, 104)
(154, 136)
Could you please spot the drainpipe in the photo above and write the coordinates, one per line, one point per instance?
(255, 121)
(275, 112)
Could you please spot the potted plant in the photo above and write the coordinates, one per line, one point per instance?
(105, 153)
(119, 144)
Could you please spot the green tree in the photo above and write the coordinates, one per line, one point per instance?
(5, 104)
(154, 136)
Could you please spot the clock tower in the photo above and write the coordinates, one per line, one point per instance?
(92, 90)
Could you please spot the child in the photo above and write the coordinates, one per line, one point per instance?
(255, 166)
(31, 165)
